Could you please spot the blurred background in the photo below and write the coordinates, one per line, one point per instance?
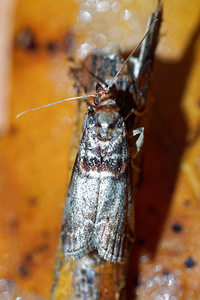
(37, 40)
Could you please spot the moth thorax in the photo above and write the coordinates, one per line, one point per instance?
(107, 106)
(106, 128)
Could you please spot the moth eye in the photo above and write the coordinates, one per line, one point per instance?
(97, 100)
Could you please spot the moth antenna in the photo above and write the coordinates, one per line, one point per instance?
(134, 50)
(50, 104)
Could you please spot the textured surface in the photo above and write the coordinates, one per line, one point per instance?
(34, 155)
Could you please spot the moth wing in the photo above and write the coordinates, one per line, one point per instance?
(114, 219)
(112, 227)
(79, 216)
(81, 201)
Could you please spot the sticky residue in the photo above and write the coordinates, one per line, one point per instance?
(94, 18)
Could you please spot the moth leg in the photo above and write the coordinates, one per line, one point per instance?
(135, 112)
(140, 139)
(139, 143)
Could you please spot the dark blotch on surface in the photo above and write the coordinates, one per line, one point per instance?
(187, 202)
(151, 209)
(176, 227)
(23, 271)
(14, 224)
(166, 274)
(51, 46)
(26, 40)
(189, 263)
(138, 282)
(13, 130)
(140, 242)
(69, 42)
(71, 59)
(41, 248)
(28, 257)
(45, 233)
(33, 201)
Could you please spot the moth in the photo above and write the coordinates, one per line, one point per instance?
(99, 212)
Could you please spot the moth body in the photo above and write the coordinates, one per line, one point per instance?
(99, 198)
(99, 210)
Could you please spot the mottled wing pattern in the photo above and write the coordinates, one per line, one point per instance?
(99, 197)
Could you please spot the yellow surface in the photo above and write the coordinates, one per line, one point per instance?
(34, 154)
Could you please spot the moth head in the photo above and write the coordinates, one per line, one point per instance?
(103, 94)
(104, 100)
